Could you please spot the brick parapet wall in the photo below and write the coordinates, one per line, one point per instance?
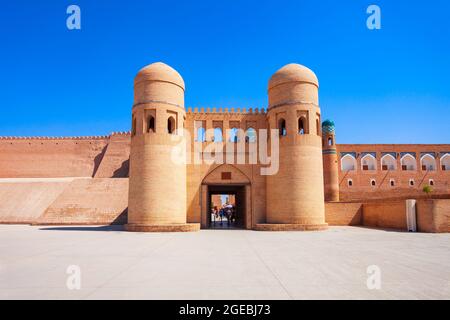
(232, 110)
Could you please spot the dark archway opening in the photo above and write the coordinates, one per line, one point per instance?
(171, 125)
(226, 207)
(151, 124)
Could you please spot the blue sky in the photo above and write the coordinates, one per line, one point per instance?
(385, 86)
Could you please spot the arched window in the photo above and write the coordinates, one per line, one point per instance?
(218, 137)
(330, 141)
(282, 127)
(392, 182)
(350, 182)
(368, 162)
(133, 126)
(428, 163)
(411, 182)
(301, 125)
(171, 125)
(408, 163)
(250, 135)
(373, 183)
(431, 182)
(348, 163)
(234, 135)
(201, 134)
(445, 162)
(151, 124)
(318, 127)
(388, 163)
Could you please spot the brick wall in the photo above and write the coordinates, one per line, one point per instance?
(50, 158)
(343, 213)
(25, 200)
(115, 161)
(433, 215)
(362, 189)
(89, 201)
(385, 215)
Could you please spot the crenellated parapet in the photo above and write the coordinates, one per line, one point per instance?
(56, 138)
(121, 133)
(230, 110)
(84, 138)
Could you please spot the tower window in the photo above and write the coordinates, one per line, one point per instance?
(411, 182)
(151, 124)
(431, 182)
(171, 125)
(200, 132)
(392, 182)
(301, 125)
(282, 127)
(318, 127)
(350, 182)
(218, 136)
(201, 135)
(250, 135)
(330, 142)
(373, 183)
(234, 135)
(133, 126)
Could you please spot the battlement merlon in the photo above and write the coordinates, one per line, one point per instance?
(104, 137)
(230, 110)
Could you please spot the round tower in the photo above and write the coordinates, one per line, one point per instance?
(157, 182)
(330, 162)
(295, 195)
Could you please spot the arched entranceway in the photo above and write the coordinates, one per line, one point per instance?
(226, 180)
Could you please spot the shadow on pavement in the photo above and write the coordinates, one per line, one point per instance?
(85, 228)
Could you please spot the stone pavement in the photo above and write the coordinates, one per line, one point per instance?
(115, 264)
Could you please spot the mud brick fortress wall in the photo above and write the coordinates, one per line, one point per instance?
(383, 171)
(78, 180)
(52, 157)
(58, 176)
(99, 180)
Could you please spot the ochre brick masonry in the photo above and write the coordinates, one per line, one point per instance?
(130, 177)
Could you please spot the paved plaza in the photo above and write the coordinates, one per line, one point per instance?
(221, 264)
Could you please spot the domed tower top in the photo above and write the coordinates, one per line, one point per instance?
(159, 83)
(328, 135)
(328, 126)
(159, 71)
(293, 84)
(293, 72)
